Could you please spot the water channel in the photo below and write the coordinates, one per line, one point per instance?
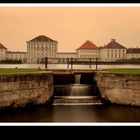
(72, 113)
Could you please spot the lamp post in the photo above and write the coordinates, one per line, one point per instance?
(89, 62)
(67, 62)
(71, 63)
(96, 63)
(46, 62)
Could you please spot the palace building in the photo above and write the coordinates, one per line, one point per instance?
(88, 50)
(3, 51)
(22, 56)
(113, 51)
(133, 53)
(42, 46)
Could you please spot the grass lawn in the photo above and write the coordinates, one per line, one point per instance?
(17, 70)
(123, 70)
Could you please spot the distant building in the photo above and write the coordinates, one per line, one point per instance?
(133, 53)
(17, 56)
(40, 47)
(113, 51)
(3, 51)
(88, 50)
(62, 56)
(66, 55)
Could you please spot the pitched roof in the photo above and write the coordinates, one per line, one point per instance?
(114, 45)
(133, 51)
(2, 47)
(42, 38)
(88, 45)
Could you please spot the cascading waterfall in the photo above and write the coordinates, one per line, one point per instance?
(76, 94)
(74, 90)
(77, 78)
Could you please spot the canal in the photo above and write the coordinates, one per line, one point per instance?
(71, 113)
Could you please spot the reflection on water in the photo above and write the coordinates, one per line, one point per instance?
(88, 113)
(64, 66)
(102, 113)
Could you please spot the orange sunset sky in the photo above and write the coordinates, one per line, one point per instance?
(70, 26)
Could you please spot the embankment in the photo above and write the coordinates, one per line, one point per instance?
(18, 90)
(119, 88)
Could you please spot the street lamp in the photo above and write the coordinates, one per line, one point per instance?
(96, 63)
(46, 62)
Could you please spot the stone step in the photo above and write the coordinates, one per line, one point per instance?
(77, 101)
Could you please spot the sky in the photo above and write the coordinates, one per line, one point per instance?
(70, 26)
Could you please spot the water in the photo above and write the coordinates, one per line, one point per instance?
(74, 90)
(75, 113)
(92, 113)
(64, 66)
(75, 93)
(77, 78)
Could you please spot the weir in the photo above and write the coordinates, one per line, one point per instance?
(76, 88)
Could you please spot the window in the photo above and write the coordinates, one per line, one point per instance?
(111, 53)
(115, 53)
(123, 53)
(108, 53)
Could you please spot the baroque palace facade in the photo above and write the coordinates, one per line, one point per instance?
(42, 46)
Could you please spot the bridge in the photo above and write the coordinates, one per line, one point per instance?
(71, 61)
(75, 87)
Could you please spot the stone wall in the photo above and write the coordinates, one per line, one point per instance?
(119, 88)
(18, 90)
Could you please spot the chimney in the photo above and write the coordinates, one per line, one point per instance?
(113, 40)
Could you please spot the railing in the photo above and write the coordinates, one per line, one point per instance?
(71, 61)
